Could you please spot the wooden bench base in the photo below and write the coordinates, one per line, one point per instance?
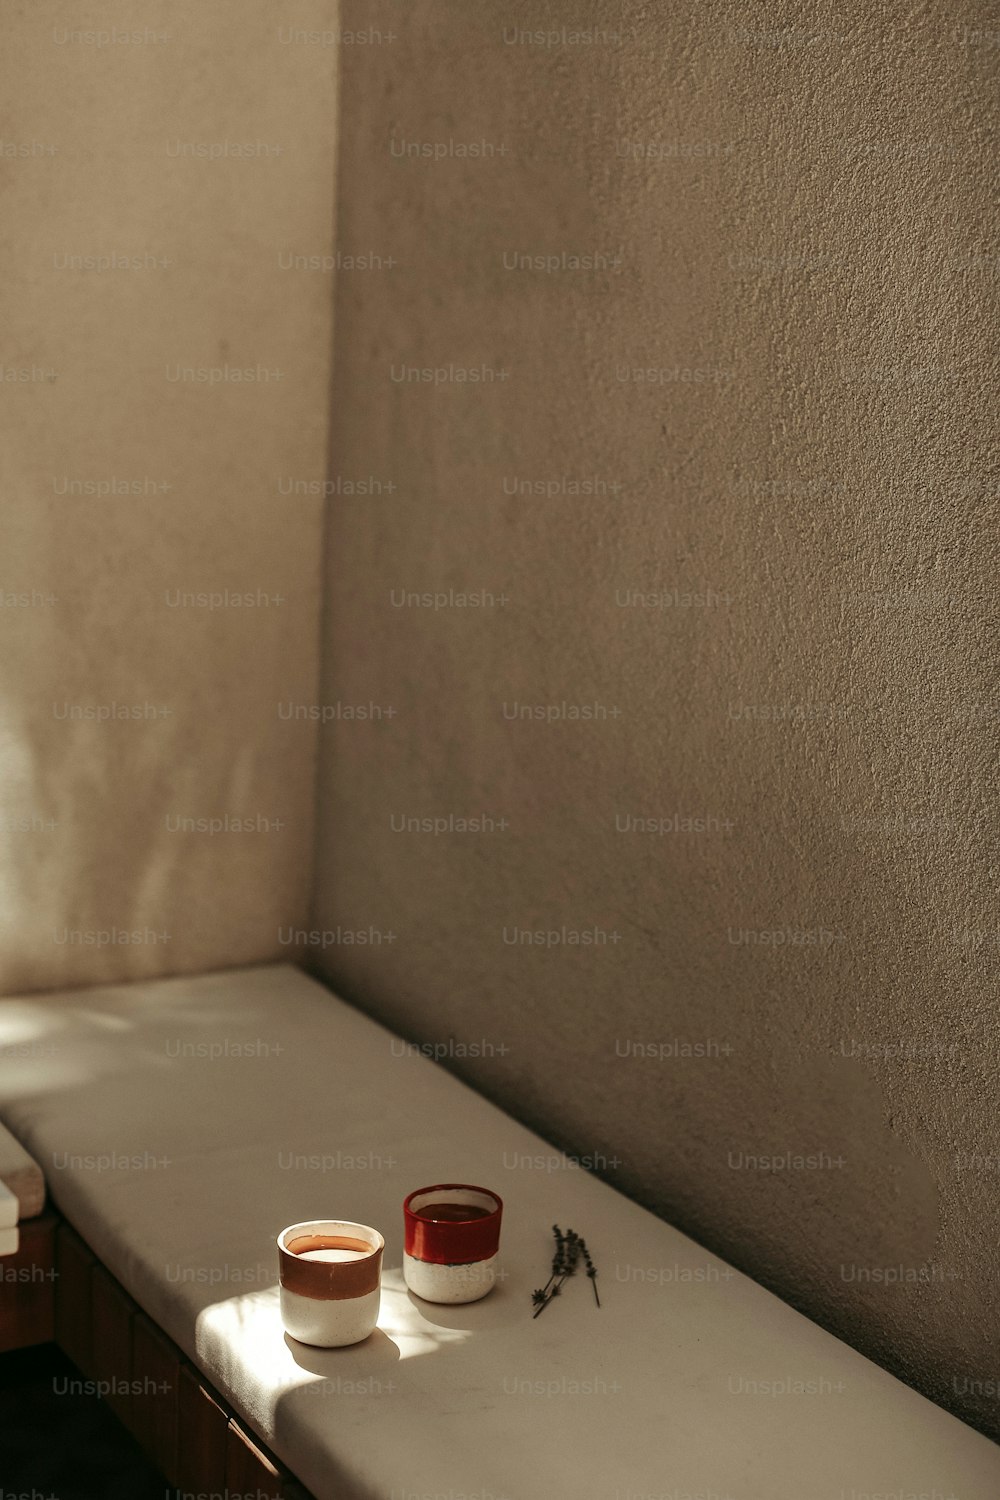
(55, 1288)
(28, 1286)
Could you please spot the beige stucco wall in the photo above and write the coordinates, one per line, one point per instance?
(794, 212)
(121, 147)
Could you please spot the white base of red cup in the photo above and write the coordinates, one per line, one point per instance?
(461, 1283)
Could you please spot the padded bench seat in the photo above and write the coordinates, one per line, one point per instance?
(182, 1123)
(21, 1176)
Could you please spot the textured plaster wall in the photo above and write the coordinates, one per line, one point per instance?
(190, 135)
(792, 207)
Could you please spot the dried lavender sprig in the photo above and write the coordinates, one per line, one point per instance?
(559, 1256)
(572, 1252)
(568, 1257)
(539, 1296)
(591, 1269)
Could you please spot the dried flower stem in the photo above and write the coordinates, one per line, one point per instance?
(570, 1248)
(591, 1269)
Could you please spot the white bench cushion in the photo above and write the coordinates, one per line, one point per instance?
(179, 1171)
(20, 1176)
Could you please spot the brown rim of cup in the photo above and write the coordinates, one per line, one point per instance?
(324, 1280)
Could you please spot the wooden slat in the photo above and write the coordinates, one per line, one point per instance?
(27, 1286)
(249, 1469)
(111, 1339)
(74, 1266)
(202, 1436)
(156, 1369)
(183, 1424)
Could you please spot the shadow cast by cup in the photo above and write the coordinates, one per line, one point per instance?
(491, 1311)
(367, 1357)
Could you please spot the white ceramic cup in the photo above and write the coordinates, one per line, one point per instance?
(329, 1274)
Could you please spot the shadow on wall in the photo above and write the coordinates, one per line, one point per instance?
(802, 468)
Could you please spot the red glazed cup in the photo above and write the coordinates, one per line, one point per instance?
(451, 1244)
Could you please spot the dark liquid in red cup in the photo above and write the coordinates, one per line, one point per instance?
(452, 1213)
